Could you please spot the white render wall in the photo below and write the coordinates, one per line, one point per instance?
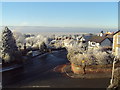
(91, 44)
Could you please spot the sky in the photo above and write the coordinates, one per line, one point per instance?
(87, 15)
(60, 0)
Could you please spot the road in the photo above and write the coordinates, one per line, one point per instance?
(38, 73)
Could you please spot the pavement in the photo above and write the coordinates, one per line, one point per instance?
(3, 69)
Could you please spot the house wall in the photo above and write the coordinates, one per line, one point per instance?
(68, 45)
(106, 42)
(91, 45)
(118, 39)
(116, 44)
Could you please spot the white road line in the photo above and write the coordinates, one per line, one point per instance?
(37, 86)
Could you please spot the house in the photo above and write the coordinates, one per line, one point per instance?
(116, 43)
(69, 43)
(109, 33)
(53, 42)
(101, 33)
(78, 38)
(96, 41)
(85, 38)
(105, 34)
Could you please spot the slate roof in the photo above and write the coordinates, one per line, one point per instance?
(116, 32)
(86, 37)
(110, 37)
(98, 39)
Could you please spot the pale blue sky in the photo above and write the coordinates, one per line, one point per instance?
(61, 14)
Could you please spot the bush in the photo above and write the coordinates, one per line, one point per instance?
(92, 57)
(117, 76)
(88, 58)
(116, 81)
(101, 57)
(58, 44)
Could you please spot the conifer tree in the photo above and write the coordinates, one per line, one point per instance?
(9, 46)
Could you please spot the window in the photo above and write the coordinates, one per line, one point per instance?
(118, 39)
(93, 43)
(83, 41)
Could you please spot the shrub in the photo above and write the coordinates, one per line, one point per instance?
(116, 81)
(101, 57)
(91, 57)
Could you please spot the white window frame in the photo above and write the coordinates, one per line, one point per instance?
(118, 39)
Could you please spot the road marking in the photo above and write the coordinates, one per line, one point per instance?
(37, 86)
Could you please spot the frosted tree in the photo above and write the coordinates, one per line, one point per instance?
(20, 39)
(91, 56)
(9, 46)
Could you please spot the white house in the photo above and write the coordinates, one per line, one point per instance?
(69, 43)
(97, 41)
(78, 38)
(101, 34)
(53, 42)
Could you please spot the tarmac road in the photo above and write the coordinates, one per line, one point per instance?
(38, 73)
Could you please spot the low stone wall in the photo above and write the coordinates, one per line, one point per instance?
(76, 69)
(92, 69)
